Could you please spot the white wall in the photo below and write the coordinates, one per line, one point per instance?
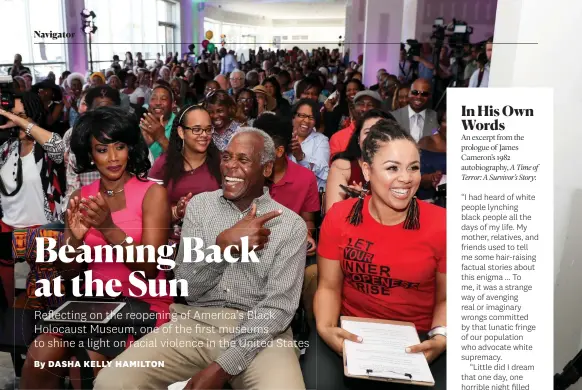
(480, 14)
(216, 13)
(317, 36)
(320, 32)
(532, 66)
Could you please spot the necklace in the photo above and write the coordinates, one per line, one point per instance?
(111, 192)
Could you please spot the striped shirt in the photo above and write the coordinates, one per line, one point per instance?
(270, 288)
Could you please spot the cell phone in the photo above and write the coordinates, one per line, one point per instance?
(350, 191)
(310, 245)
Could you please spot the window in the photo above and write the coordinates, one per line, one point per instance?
(21, 18)
(132, 25)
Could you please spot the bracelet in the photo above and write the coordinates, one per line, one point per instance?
(28, 128)
(124, 240)
(175, 213)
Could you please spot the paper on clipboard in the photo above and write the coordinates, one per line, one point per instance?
(382, 353)
(178, 385)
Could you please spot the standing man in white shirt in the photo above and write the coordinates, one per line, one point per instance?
(480, 78)
(417, 118)
(227, 62)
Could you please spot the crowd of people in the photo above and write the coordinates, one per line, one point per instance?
(289, 149)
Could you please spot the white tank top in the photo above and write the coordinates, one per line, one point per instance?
(26, 208)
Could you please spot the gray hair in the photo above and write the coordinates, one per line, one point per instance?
(268, 152)
(238, 71)
(252, 74)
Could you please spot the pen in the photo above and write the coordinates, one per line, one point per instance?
(409, 376)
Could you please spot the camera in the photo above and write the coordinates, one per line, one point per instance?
(6, 96)
(438, 31)
(459, 37)
(413, 50)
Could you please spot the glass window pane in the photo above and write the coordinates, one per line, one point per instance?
(162, 11)
(46, 16)
(18, 41)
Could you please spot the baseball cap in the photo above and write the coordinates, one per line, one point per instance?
(372, 94)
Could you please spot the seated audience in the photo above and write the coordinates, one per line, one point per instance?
(417, 118)
(223, 110)
(400, 98)
(221, 294)
(156, 124)
(292, 185)
(406, 279)
(141, 95)
(74, 83)
(309, 148)
(346, 167)
(274, 89)
(433, 159)
(338, 110)
(52, 100)
(364, 101)
(237, 82)
(266, 102)
(108, 211)
(191, 165)
(248, 106)
(97, 79)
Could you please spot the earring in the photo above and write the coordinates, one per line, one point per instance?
(92, 162)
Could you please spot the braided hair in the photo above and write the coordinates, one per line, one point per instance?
(383, 132)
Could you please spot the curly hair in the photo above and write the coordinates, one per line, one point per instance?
(33, 107)
(109, 125)
(174, 165)
(255, 109)
(222, 98)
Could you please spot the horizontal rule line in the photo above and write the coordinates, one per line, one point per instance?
(253, 43)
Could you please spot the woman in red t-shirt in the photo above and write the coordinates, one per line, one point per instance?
(381, 256)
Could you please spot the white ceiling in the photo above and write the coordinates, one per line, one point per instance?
(278, 9)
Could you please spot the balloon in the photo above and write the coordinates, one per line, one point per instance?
(209, 34)
(211, 47)
(205, 43)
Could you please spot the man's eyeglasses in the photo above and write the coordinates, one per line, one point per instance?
(236, 78)
(245, 100)
(305, 116)
(197, 130)
(421, 93)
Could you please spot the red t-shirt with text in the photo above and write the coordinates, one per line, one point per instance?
(389, 272)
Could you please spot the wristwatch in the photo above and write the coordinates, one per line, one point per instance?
(437, 331)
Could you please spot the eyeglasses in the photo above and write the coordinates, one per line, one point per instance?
(421, 93)
(197, 130)
(21, 114)
(236, 78)
(245, 100)
(305, 116)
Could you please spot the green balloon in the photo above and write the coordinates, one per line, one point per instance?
(210, 48)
